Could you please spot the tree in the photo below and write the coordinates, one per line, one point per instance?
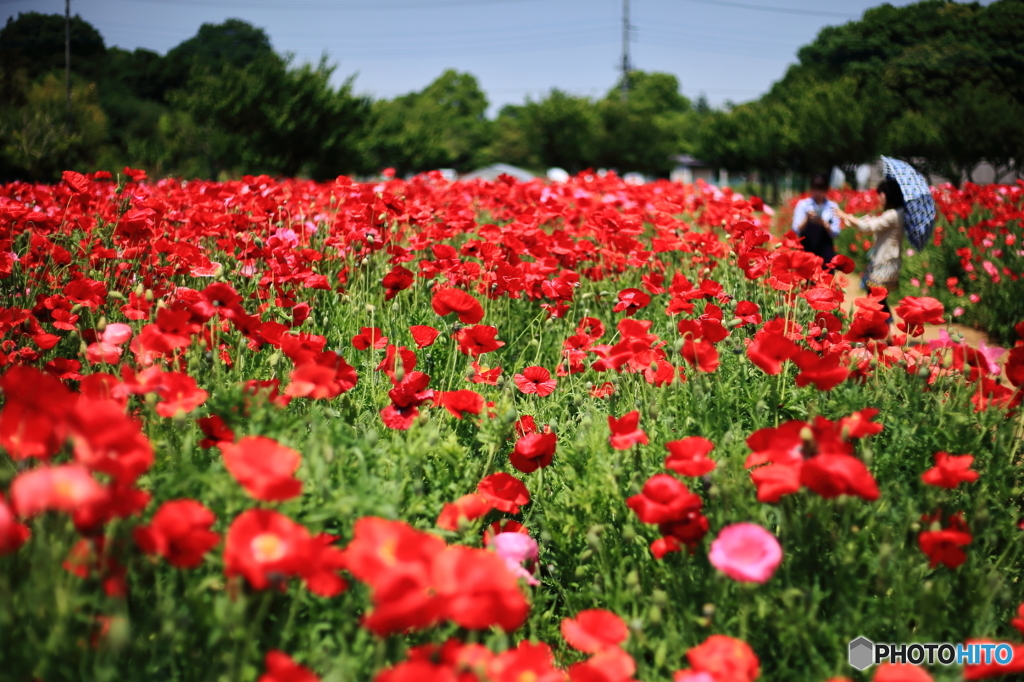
(560, 130)
(35, 139)
(276, 119)
(443, 126)
(646, 130)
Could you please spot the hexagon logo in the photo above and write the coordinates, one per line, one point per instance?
(862, 653)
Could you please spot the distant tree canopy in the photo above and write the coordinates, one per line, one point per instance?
(937, 82)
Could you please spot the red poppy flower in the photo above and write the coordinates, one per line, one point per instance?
(76, 181)
(950, 470)
(768, 351)
(700, 354)
(327, 377)
(485, 375)
(266, 547)
(215, 430)
(467, 508)
(626, 431)
(631, 300)
(179, 532)
(943, 545)
(824, 372)
(12, 534)
(917, 312)
(725, 659)
(834, 475)
(663, 499)
(748, 312)
(179, 393)
(594, 630)
(369, 337)
(396, 561)
(478, 340)
(533, 662)
(477, 589)
(281, 668)
(32, 422)
(535, 380)
(603, 391)
(447, 301)
(398, 279)
(263, 467)
(504, 492)
(459, 403)
(689, 456)
(534, 451)
(1015, 366)
(423, 335)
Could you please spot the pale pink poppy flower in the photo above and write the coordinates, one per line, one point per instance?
(516, 548)
(746, 552)
(116, 334)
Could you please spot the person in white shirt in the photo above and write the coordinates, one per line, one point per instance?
(816, 220)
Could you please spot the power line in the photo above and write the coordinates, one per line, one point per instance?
(777, 10)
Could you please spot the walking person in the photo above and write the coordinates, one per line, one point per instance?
(883, 268)
(816, 220)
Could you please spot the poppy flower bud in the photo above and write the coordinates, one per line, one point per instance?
(806, 434)
(149, 296)
(654, 615)
(923, 372)
(732, 324)
(102, 324)
(632, 578)
(116, 295)
(140, 289)
(935, 527)
(659, 598)
(708, 610)
(594, 537)
(677, 345)
(956, 337)
(628, 533)
(365, 261)
(370, 308)
(76, 308)
(581, 570)
(915, 526)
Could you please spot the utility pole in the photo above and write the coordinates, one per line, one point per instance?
(67, 63)
(627, 67)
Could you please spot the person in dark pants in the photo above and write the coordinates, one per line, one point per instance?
(816, 219)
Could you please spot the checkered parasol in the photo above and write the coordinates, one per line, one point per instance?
(917, 195)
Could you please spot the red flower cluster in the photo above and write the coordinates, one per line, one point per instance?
(818, 456)
(417, 581)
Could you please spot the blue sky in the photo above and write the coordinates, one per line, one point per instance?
(726, 49)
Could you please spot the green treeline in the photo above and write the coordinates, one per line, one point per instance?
(939, 82)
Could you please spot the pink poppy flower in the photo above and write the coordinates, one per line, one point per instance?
(746, 552)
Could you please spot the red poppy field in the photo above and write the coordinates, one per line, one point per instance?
(494, 432)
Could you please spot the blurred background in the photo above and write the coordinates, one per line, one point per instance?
(758, 94)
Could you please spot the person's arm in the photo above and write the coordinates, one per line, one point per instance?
(835, 224)
(800, 217)
(874, 224)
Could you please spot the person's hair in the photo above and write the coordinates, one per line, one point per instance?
(819, 182)
(890, 189)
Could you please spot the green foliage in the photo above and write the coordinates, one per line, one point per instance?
(274, 119)
(646, 129)
(936, 81)
(443, 126)
(36, 138)
(559, 130)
